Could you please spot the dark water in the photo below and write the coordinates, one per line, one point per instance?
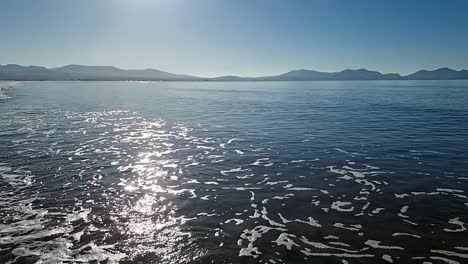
(300, 172)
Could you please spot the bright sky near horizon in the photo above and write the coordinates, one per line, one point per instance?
(239, 37)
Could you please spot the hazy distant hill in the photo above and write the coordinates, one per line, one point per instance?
(439, 74)
(29, 73)
(298, 75)
(363, 74)
(110, 73)
(113, 73)
(229, 78)
(311, 75)
(79, 72)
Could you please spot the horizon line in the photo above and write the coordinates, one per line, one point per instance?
(234, 75)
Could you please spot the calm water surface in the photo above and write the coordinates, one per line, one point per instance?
(250, 172)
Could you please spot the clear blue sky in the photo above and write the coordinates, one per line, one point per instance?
(241, 37)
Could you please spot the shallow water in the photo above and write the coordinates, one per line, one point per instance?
(250, 172)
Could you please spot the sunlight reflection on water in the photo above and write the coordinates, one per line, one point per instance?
(123, 186)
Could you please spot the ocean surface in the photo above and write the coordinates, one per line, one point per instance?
(226, 172)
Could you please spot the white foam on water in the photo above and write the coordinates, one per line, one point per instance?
(387, 258)
(352, 227)
(285, 239)
(205, 147)
(283, 219)
(356, 174)
(341, 244)
(226, 172)
(260, 161)
(406, 234)
(403, 210)
(311, 222)
(270, 221)
(280, 197)
(4, 86)
(377, 244)
(234, 139)
(297, 161)
(211, 183)
(235, 220)
(276, 182)
(456, 221)
(252, 197)
(52, 244)
(300, 189)
(320, 245)
(400, 196)
(446, 260)
(193, 181)
(450, 190)
(17, 178)
(174, 178)
(243, 177)
(253, 235)
(377, 210)
(338, 206)
(450, 253)
(341, 255)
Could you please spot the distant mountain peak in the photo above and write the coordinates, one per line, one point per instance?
(439, 74)
(77, 66)
(444, 70)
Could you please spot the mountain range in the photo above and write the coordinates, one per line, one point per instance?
(110, 73)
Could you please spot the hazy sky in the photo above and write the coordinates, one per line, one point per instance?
(242, 37)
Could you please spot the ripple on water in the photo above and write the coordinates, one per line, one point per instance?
(116, 186)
